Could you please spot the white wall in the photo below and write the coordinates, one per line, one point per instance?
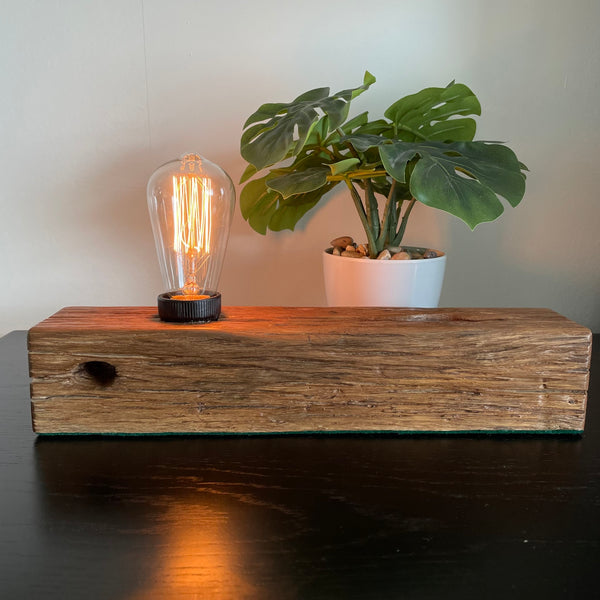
(97, 94)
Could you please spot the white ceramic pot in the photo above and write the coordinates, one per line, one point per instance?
(362, 282)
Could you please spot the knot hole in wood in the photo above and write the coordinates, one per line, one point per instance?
(100, 372)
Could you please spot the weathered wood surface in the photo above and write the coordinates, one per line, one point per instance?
(266, 369)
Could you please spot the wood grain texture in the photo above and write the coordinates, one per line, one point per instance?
(274, 369)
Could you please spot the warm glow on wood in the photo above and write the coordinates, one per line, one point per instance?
(198, 554)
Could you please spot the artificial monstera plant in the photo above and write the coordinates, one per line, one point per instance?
(423, 150)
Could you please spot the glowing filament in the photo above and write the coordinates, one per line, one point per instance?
(191, 214)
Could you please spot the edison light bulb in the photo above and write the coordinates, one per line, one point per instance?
(191, 202)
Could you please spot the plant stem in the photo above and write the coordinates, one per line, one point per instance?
(364, 174)
(398, 239)
(361, 213)
(385, 220)
(348, 144)
(372, 209)
(393, 220)
(327, 151)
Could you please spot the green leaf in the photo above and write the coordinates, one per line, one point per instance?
(249, 172)
(363, 141)
(252, 131)
(462, 178)
(396, 156)
(286, 127)
(428, 113)
(251, 193)
(312, 95)
(378, 127)
(305, 161)
(274, 144)
(266, 111)
(263, 212)
(299, 182)
(265, 208)
(317, 133)
(258, 204)
(368, 79)
(453, 129)
(343, 165)
(355, 122)
(495, 166)
(290, 211)
(436, 186)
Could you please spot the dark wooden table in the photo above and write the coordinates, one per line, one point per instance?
(294, 517)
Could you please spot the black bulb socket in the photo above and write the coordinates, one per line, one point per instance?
(174, 307)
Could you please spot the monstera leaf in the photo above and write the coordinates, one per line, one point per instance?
(270, 132)
(424, 145)
(299, 182)
(462, 178)
(429, 114)
(265, 208)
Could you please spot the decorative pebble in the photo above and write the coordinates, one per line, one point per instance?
(352, 254)
(401, 256)
(342, 242)
(345, 246)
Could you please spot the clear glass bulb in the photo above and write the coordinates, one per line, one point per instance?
(191, 202)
